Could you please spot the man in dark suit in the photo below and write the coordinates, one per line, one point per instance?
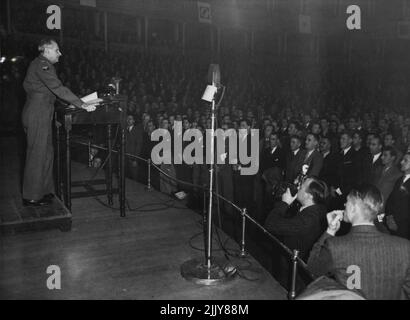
(390, 141)
(313, 158)
(389, 175)
(264, 142)
(286, 135)
(373, 166)
(362, 154)
(365, 260)
(272, 157)
(398, 203)
(300, 229)
(329, 170)
(347, 171)
(294, 160)
(42, 86)
(133, 137)
(272, 164)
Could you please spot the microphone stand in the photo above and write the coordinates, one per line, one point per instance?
(211, 272)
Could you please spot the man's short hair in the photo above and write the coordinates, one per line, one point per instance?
(314, 135)
(326, 138)
(248, 123)
(360, 134)
(296, 137)
(391, 134)
(379, 139)
(391, 150)
(371, 198)
(44, 43)
(295, 123)
(275, 134)
(348, 133)
(318, 189)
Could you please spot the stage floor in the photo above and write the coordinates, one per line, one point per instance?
(108, 257)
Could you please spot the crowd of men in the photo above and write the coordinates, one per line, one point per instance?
(338, 150)
(356, 160)
(341, 157)
(318, 151)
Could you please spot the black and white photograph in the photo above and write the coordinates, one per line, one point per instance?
(205, 155)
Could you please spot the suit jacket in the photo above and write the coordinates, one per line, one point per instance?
(133, 138)
(372, 171)
(362, 162)
(384, 261)
(285, 142)
(271, 160)
(315, 163)
(329, 172)
(398, 205)
(387, 180)
(298, 230)
(347, 171)
(294, 165)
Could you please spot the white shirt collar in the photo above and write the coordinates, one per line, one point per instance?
(304, 207)
(273, 150)
(326, 154)
(296, 152)
(363, 224)
(309, 153)
(346, 150)
(376, 157)
(406, 177)
(243, 136)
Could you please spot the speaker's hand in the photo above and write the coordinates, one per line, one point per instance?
(88, 107)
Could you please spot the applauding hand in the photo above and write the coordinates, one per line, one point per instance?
(288, 198)
(333, 221)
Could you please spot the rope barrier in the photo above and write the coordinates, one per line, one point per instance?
(272, 237)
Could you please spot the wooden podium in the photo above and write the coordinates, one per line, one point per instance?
(112, 111)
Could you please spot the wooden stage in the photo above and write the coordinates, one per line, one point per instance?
(108, 257)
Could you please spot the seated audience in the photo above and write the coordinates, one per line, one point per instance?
(300, 227)
(357, 259)
(398, 203)
(389, 175)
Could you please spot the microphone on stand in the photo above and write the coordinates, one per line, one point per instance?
(214, 77)
(214, 270)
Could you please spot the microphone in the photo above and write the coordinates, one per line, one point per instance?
(214, 77)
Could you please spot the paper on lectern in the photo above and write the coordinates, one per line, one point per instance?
(91, 98)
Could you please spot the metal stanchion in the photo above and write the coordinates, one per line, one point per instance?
(109, 173)
(58, 164)
(292, 292)
(204, 220)
(121, 182)
(149, 175)
(90, 156)
(68, 170)
(243, 253)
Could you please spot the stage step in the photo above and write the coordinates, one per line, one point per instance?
(14, 217)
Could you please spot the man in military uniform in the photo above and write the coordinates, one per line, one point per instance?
(42, 86)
